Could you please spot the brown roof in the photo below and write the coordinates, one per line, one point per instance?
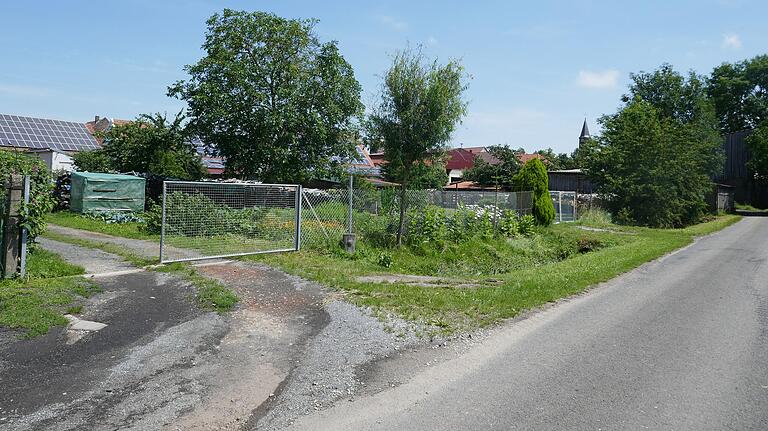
(467, 185)
(525, 157)
(460, 158)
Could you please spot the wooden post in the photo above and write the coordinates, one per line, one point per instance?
(11, 231)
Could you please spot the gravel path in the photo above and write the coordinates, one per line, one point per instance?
(94, 261)
(144, 248)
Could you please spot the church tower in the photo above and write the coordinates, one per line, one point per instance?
(585, 136)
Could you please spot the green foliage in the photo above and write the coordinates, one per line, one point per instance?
(500, 172)
(509, 225)
(421, 103)
(526, 225)
(595, 217)
(152, 145)
(41, 202)
(277, 103)
(423, 175)
(738, 92)
(427, 225)
(384, 259)
(93, 161)
(757, 143)
(656, 157)
(533, 176)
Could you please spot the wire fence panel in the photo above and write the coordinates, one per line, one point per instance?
(565, 206)
(218, 219)
(374, 214)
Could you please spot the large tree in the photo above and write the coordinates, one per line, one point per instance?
(739, 92)
(421, 104)
(655, 158)
(272, 99)
(499, 171)
(151, 144)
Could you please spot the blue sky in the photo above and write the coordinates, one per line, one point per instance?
(538, 68)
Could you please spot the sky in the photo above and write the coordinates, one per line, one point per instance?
(536, 69)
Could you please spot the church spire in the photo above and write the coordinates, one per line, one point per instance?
(584, 136)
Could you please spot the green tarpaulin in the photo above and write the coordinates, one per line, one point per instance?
(106, 192)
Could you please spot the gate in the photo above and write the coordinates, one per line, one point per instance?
(208, 220)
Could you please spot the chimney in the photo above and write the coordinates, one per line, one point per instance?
(96, 119)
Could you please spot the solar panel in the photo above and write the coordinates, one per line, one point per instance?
(28, 132)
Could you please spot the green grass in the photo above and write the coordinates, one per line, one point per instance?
(211, 295)
(514, 291)
(77, 221)
(131, 257)
(748, 207)
(37, 302)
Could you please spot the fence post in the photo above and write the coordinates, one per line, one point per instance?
(299, 196)
(560, 206)
(348, 239)
(162, 227)
(24, 233)
(11, 237)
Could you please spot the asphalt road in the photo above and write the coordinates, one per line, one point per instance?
(678, 344)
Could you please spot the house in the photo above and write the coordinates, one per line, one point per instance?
(462, 159)
(53, 141)
(102, 125)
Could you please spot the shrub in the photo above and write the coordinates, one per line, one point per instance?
(385, 259)
(427, 225)
(526, 225)
(32, 215)
(115, 217)
(595, 217)
(533, 177)
(508, 224)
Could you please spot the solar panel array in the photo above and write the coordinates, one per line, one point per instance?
(27, 132)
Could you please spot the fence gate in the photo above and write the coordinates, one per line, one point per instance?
(207, 220)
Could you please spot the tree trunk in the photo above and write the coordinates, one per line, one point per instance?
(403, 204)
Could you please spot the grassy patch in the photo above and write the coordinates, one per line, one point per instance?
(42, 263)
(748, 207)
(39, 301)
(211, 294)
(518, 289)
(129, 256)
(77, 221)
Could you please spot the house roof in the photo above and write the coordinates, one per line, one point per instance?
(460, 158)
(526, 157)
(467, 185)
(41, 133)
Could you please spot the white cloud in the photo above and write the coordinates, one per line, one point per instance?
(393, 23)
(731, 41)
(598, 79)
(432, 41)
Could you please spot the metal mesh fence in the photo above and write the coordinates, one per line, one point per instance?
(374, 214)
(565, 206)
(216, 219)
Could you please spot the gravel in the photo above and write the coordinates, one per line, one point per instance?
(94, 261)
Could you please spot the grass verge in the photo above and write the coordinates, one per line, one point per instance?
(37, 302)
(211, 295)
(77, 221)
(512, 292)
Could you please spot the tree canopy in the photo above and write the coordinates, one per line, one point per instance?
(500, 173)
(739, 92)
(276, 102)
(421, 103)
(655, 158)
(150, 144)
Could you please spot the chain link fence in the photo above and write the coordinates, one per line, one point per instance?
(219, 219)
(374, 214)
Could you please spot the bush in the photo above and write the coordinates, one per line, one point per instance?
(196, 215)
(508, 225)
(526, 225)
(32, 215)
(533, 177)
(427, 225)
(115, 217)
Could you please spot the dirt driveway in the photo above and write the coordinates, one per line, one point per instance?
(289, 348)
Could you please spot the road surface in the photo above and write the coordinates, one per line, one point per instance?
(678, 344)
